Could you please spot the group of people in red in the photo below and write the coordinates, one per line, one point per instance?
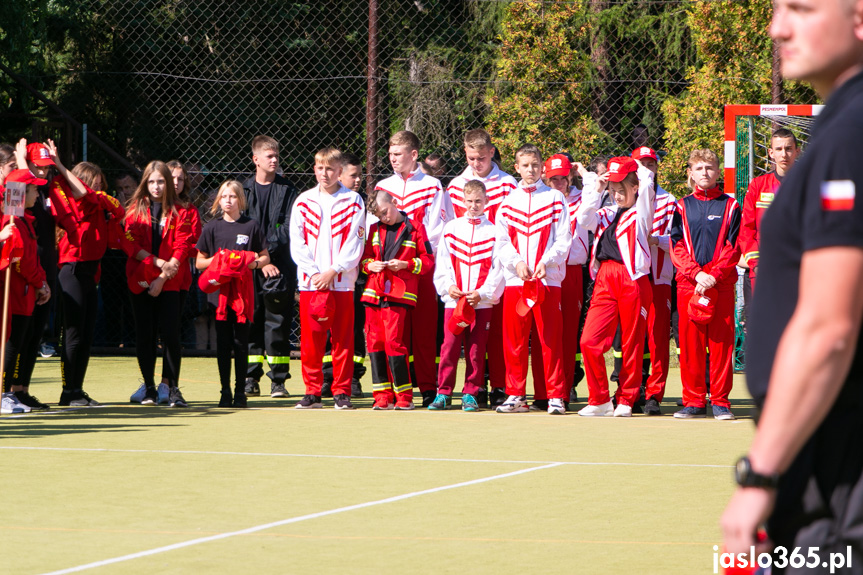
(505, 259)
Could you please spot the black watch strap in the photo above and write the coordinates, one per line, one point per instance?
(746, 477)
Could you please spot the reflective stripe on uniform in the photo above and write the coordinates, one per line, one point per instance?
(278, 359)
(256, 359)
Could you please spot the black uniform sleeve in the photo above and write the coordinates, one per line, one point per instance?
(205, 242)
(829, 217)
(259, 239)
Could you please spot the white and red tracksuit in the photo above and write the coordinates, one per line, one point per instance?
(328, 232)
(571, 297)
(704, 239)
(621, 290)
(498, 185)
(759, 196)
(659, 313)
(466, 258)
(533, 228)
(422, 199)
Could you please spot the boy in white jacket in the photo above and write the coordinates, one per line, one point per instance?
(469, 279)
(327, 240)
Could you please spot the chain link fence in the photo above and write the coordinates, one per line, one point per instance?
(197, 80)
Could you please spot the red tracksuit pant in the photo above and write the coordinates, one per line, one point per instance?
(388, 350)
(423, 334)
(717, 337)
(516, 335)
(475, 338)
(571, 302)
(313, 344)
(615, 296)
(658, 335)
(494, 349)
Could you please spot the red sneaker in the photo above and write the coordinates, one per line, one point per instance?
(382, 402)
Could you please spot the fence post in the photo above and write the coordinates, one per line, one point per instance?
(372, 97)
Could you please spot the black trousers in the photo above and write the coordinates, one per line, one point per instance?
(155, 318)
(79, 311)
(232, 338)
(18, 335)
(270, 334)
(29, 347)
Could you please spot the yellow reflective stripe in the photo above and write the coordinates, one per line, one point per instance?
(409, 244)
(437, 359)
(410, 296)
(367, 261)
(403, 388)
(762, 204)
(411, 358)
(256, 359)
(359, 359)
(418, 266)
(577, 357)
(385, 386)
(749, 255)
(617, 354)
(328, 358)
(278, 359)
(371, 293)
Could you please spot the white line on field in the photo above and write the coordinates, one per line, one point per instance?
(373, 457)
(265, 526)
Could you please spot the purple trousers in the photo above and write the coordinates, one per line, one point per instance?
(475, 338)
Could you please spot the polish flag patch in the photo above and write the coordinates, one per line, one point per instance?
(837, 195)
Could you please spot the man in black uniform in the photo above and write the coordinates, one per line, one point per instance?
(269, 197)
(804, 471)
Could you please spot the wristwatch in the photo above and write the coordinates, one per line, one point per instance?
(747, 478)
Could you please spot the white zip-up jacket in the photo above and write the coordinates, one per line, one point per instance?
(579, 251)
(498, 185)
(422, 198)
(328, 231)
(660, 255)
(632, 229)
(533, 227)
(466, 258)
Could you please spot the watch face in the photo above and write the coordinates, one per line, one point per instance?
(741, 470)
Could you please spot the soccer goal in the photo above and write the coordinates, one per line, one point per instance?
(748, 130)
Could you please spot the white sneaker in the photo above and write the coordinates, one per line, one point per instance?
(622, 410)
(9, 404)
(514, 404)
(556, 407)
(139, 394)
(604, 410)
(162, 392)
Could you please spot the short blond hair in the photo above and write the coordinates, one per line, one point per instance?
(702, 155)
(329, 157)
(405, 138)
(475, 187)
(229, 185)
(477, 139)
(261, 143)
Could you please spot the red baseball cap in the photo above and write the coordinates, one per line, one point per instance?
(462, 316)
(620, 167)
(644, 152)
(38, 154)
(702, 307)
(25, 177)
(532, 293)
(322, 309)
(208, 281)
(394, 286)
(143, 275)
(557, 165)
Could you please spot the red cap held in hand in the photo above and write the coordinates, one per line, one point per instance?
(701, 307)
(532, 293)
(462, 316)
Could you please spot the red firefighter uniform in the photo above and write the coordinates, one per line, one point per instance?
(389, 296)
(704, 239)
(176, 241)
(466, 259)
(533, 227)
(759, 196)
(27, 277)
(328, 232)
(190, 212)
(498, 185)
(422, 198)
(621, 290)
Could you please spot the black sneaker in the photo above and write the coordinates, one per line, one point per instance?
(357, 389)
(175, 398)
(428, 397)
(226, 399)
(327, 389)
(252, 387)
(497, 396)
(278, 390)
(77, 398)
(652, 407)
(539, 405)
(151, 396)
(240, 400)
(573, 395)
(309, 402)
(482, 398)
(343, 402)
(31, 401)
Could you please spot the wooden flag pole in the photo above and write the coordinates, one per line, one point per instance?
(3, 333)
